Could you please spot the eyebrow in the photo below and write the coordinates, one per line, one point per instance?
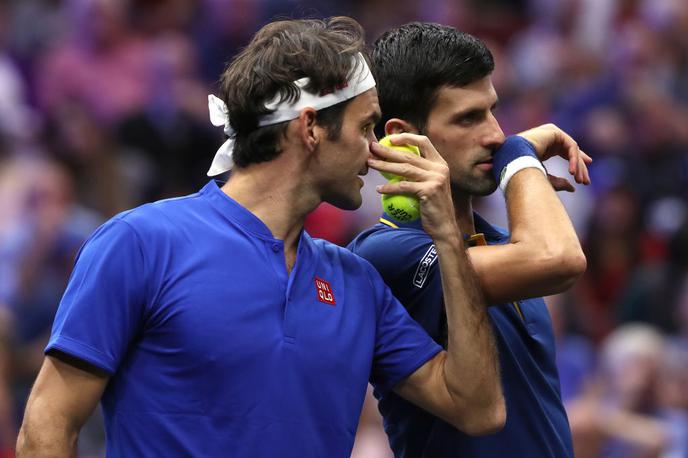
(473, 110)
(373, 117)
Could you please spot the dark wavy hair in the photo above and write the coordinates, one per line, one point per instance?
(280, 53)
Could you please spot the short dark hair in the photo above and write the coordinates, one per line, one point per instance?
(412, 62)
(280, 53)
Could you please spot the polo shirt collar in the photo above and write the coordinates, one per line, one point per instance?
(234, 211)
(493, 234)
(391, 222)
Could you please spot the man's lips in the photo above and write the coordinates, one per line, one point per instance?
(485, 165)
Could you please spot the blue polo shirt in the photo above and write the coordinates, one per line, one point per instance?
(214, 350)
(536, 424)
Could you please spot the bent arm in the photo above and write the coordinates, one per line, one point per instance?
(544, 255)
(64, 396)
(461, 385)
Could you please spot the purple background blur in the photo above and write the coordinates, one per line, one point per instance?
(103, 107)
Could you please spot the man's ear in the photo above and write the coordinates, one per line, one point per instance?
(399, 126)
(308, 130)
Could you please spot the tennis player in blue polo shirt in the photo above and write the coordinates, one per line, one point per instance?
(212, 325)
(436, 81)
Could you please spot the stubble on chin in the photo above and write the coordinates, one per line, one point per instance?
(470, 185)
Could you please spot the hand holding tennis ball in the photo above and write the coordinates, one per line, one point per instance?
(385, 141)
(427, 179)
(399, 206)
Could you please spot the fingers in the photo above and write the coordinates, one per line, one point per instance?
(556, 142)
(587, 159)
(429, 159)
(579, 173)
(427, 192)
(423, 177)
(565, 146)
(578, 161)
(577, 158)
(584, 172)
(423, 143)
(560, 184)
(582, 175)
(403, 169)
(429, 182)
(409, 188)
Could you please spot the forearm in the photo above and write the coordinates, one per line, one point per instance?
(513, 272)
(543, 256)
(63, 397)
(538, 221)
(471, 369)
(536, 215)
(43, 435)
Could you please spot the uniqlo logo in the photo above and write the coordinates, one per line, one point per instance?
(324, 291)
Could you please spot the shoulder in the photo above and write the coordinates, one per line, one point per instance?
(392, 249)
(356, 269)
(380, 238)
(160, 217)
(147, 228)
(333, 254)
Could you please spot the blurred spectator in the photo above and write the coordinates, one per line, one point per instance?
(575, 358)
(673, 378)
(16, 118)
(655, 289)
(620, 414)
(102, 64)
(100, 166)
(171, 133)
(36, 258)
(612, 250)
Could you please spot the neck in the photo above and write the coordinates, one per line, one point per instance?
(463, 208)
(275, 193)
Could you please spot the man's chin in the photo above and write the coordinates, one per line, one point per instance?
(485, 190)
(346, 203)
(478, 188)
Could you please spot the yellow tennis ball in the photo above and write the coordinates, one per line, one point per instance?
(384, 141)
(400, 206)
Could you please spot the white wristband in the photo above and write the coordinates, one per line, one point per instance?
(515, 166)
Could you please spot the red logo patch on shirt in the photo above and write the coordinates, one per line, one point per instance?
(324, 291)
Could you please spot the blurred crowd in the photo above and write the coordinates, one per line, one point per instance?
(103, 107)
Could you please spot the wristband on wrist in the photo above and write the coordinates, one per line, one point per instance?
(515, 154)
(518, 164)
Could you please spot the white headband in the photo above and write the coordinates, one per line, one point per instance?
(359, 81)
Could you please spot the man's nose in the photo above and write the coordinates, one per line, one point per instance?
(494, 136)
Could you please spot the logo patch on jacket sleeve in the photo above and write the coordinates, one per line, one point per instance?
(324, 291)
(423, 269)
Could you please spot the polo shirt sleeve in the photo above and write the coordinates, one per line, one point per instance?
(102, 308)
(401, 345)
